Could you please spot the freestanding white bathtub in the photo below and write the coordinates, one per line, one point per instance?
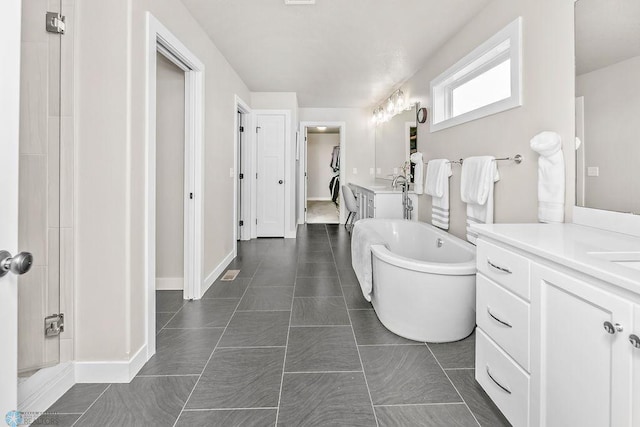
(424, 285)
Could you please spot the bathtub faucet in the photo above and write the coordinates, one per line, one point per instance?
(407, 205)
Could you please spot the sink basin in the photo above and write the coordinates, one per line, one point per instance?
(625, 259)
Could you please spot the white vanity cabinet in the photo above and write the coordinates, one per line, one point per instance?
(555, 344)
(582, 355)
(382, 202)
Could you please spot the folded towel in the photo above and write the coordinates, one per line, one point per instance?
(478, 177)
(418, 180)
(550, 176)
(437, 186)
(362, 238)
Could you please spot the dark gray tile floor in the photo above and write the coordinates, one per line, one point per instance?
(290, 342)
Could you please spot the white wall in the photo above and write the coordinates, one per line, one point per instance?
(548, 94)
(170, 146)
(284, 101)
(612, 135)
(110, 166)
(319, 171)
(359, 149)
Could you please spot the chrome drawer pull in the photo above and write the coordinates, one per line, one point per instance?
(497, 267)
(496, 319)
(506, 390)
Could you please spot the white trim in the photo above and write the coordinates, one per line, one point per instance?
(211, 277)
(160, 39)
(247, 162)
(111, 371)
(617, 222)
(169, 283)
(43, 388)
(303, 155)
(439, 86)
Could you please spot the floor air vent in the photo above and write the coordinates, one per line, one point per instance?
(230, 275)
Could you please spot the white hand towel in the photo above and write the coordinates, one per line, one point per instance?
(362, 238)
(551, 185)
(437, 186)
(418, 180)
(477, 181)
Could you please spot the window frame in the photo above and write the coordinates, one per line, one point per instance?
(442, 86)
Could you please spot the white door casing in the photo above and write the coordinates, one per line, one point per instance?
(271, 184)
(9, 145)
(160, 39)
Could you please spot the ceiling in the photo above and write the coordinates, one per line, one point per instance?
(607, 32)
(336, 53)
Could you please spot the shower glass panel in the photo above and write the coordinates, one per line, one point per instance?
(39, 200)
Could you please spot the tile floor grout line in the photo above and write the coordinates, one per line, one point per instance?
(213, 351)
(364, 375)
(419, 404)
(90, 406)
(172, 317)
(265, 408)
(459, 369)
(452, 384)
(286, 345)
(321, 372)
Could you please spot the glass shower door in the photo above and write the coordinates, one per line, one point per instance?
(39, 187)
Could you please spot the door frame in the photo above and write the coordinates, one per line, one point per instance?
(9, 161)
(161, 40)
(248, 166)
(302, 195)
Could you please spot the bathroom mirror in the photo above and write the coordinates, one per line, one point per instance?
(395, 140)
(608, 104)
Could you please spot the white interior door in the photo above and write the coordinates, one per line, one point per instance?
(270, 179)
(9, 125)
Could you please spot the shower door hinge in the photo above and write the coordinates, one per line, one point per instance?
(55, 23)
(53, 325)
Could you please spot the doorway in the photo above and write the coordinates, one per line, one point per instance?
(244, 171)
(322, 173)
(162, 191)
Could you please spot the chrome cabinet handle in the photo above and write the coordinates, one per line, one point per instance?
(611, 328)
(497, 319)
(497, 267)
(634, 340)
(506, 390)
(19, 264)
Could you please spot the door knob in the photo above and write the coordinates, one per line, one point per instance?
(18, 264)
(611, 328)
(634, 340)
(280, 182)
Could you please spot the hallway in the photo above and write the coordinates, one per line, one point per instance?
(296, 308)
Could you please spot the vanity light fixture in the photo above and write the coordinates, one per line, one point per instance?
(395, 104)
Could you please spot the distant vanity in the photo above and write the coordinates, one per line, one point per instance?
(381, 200)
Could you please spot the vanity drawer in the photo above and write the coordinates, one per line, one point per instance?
(503, 380)
(504, 267)
(505, 318)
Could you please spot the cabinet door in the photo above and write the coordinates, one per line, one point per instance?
(581, 373)
(635, 394)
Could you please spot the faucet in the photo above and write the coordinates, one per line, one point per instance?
(407, 205)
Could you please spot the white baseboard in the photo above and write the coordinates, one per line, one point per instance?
(44, 387)
(319, 199)
(169, 283)
(217, 272)
(111, 371)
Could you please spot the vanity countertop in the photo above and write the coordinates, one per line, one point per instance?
(605, 255)
(381, 188)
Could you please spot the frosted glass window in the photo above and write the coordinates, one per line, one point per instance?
(486, 81)
(491, 86)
